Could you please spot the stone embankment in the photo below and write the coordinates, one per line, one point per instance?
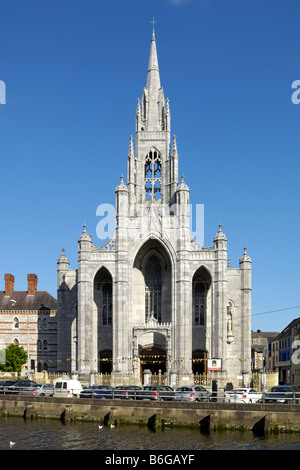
(260, 418)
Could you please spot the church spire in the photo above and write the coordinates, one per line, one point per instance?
(153, 103)
(153, 78)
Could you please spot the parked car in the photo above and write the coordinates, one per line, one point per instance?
(97, 391)
(282, 394)
(67, 388)
(242, 395)
(5, 384)
(192, 393)
(22, 387)
(126, 392)
(156, 392)
(103, 391)
(87, 392)
(44, 390)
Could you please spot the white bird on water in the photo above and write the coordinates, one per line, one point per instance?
(11, 444)
(112, 426)
(100, 427)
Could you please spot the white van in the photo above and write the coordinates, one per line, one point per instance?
(67, 388)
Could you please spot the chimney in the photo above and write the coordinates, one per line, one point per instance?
(32, 280)
(9, 283)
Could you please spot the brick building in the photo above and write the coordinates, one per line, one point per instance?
(29, 318)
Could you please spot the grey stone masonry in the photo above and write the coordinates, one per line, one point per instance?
(153, 298)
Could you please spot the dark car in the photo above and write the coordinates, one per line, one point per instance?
(88, 392)
(97, 391)
(126, 392)
(282, 394)
(22, 387)
(5, 384)
(156, 392)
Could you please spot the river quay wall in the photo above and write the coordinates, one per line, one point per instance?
(259, 417)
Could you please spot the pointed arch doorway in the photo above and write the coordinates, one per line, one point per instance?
(153, 359)
(199, 362)
(152, 347)
(105, 362)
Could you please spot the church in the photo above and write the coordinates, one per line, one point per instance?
(153, 299)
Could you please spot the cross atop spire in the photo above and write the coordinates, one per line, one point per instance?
(153, 23)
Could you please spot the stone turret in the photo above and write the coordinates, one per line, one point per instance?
(63, 266)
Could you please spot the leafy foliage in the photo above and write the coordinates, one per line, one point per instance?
(15, 358)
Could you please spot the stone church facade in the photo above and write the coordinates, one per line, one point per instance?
(153, 298)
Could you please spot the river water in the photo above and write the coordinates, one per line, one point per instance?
(53, 435)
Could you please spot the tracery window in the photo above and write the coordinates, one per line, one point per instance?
(107, 303)
(200, 293)
(153, 288)
(153, 177)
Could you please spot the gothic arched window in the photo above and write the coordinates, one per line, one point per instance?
(153, 178)
(107, 303)
(200, 300)
(153, 288)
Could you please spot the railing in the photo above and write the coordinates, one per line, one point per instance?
(126, 394)
(281, 397)
(215, 396)
(16, 390)
(291, 397)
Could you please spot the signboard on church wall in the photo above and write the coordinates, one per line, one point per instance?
(214, 364)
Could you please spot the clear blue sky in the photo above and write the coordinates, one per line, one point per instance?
(73, 71)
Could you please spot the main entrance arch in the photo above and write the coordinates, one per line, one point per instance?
(152, 346)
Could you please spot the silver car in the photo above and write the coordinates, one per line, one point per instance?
(44, 390)
(155, 392)
(22, 387)
(192, 393)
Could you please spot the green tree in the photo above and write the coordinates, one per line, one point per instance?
(15, 358)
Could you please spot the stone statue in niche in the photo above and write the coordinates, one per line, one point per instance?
(229, 324)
